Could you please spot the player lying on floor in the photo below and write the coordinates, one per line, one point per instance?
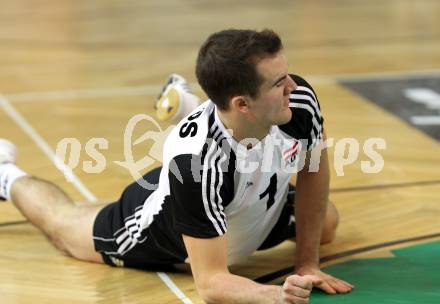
(223, 190)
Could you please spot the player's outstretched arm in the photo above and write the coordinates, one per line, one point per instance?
(215, 284)
(311, 202)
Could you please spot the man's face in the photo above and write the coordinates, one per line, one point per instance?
(271, 106)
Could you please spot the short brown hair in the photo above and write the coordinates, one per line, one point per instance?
(226, 64)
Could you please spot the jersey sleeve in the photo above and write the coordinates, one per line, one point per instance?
(200, 190)
(307, 123)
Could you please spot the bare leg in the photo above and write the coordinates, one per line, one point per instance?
(68, 227)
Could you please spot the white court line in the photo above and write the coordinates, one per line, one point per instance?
(166, 279)
(76, 94)
(90, 93)
(42, 144)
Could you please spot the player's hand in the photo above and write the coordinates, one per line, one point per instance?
(296, 289)
(329, 284)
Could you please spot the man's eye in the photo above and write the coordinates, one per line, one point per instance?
(278, 85)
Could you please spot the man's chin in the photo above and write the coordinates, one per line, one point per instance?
(283, 120)
(287, 116)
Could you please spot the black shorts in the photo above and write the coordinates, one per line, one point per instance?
(285, 227)
(111, 219)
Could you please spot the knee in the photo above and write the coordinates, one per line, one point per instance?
(61, 228)
(330, 225)
(73, 237)
(57, 236)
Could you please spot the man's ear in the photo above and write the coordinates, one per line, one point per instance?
(240, 103)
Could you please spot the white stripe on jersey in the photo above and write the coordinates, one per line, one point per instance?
(126, 244)
(220, 202)
(119, 230)
(206, 200)
(314, 101)
(307, 107)
(122, 237)
(215, 130)
(219, 213)
(131, 232)
(103, 239)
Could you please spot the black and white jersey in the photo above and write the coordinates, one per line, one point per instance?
(210, 185)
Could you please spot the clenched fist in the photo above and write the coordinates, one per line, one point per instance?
(296, 289)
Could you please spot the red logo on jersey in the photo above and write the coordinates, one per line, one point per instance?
(290, 154)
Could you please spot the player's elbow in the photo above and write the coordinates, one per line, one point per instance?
(210, 296)
(210, 291)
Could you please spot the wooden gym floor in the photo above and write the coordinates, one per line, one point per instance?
(81, 69)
